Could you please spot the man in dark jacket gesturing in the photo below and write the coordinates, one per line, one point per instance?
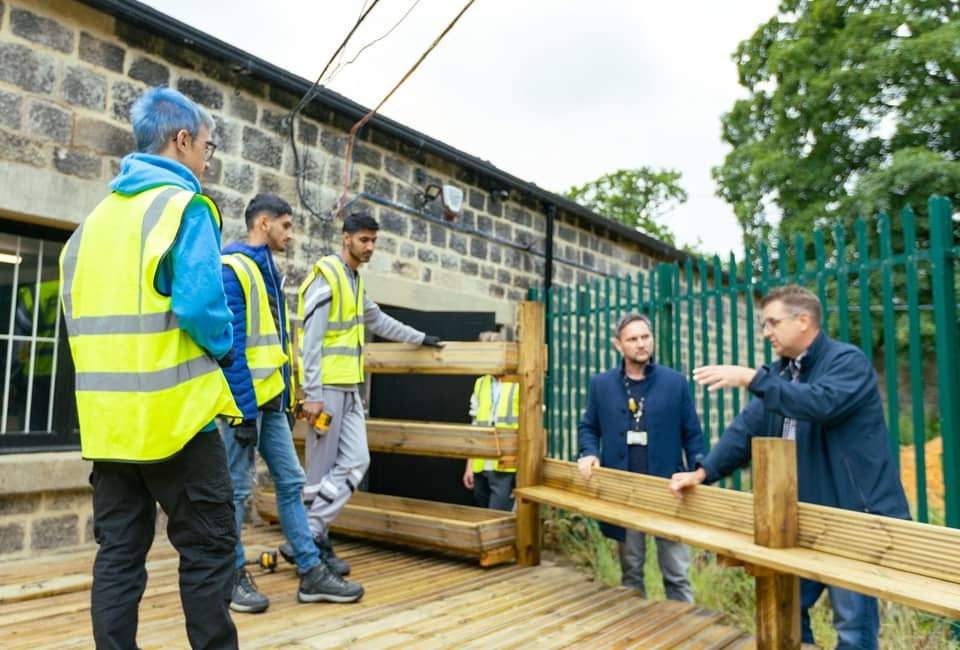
(823, 394)
(640, 418)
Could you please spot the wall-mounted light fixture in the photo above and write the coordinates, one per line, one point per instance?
(451, 198)
(500, 196)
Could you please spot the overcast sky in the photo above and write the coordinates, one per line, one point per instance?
(556, 92)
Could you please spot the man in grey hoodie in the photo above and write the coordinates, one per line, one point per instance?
(334, 312)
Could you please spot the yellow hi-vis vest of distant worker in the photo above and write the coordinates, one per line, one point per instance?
(144, 388)
(48, 310)
(343, 344)
(265, 354)
(507, 415)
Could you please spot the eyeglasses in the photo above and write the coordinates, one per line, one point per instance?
(209, 148)
(771, 323)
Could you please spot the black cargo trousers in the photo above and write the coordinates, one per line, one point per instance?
(195, 492)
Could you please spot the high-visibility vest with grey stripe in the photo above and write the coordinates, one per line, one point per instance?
(144, 388)
(264, 352)
(343, 343)
(507, 411)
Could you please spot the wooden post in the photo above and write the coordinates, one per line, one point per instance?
(532, 439)
(775, 524)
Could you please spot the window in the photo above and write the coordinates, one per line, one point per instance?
(38, 411)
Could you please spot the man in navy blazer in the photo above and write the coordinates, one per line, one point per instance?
(640, 418)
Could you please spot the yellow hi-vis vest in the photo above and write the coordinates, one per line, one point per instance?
(343, 344)
(144, 388)
(265, 355)
(507, 414)
(48, 310)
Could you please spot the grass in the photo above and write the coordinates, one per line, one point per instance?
(578, 540)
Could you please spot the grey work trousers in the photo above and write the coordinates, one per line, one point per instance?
(674, 560)
(336, 459)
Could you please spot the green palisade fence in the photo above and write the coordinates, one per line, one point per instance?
(888, 285)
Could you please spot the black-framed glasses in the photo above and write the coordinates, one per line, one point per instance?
(209, 148)
(771, 323)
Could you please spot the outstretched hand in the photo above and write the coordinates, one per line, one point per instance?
(717, 377)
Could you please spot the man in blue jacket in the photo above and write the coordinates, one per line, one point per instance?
(823, 394)
(640, 418)
(260, 382)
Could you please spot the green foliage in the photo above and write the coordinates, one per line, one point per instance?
(851, 104)
(635, 197)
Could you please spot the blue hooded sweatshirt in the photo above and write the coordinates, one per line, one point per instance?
(238, 375)
(190, 272)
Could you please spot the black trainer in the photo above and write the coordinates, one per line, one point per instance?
(245, 597)
(321, 584)
(327, 555)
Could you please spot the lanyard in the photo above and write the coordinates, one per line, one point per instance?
(636, 407)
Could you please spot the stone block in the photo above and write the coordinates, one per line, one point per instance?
(378, 186)
(478, 248)
(122, 95)
(245, 109)
(284, 186)
(387, 244)
(406, 270)
(588, 259)
(77, 163)
(496, 291)
(86, 88)
(488, 272)
(539, 223)
(566, 233)
(333, 143)
(484, 224)
(22, 150)
(458, 243)
(201, 92)
(11, 110)
(407, 250)
(103, 137)
(28, 69)
(88, 536)
(41, 30)
(397, 168)
(11, 538)
(515, 295)
(54, 532)
(19, 504)
(238, 176)
(418, 230)
(149, 72)
(394, 222)
(274, 122)
(503, 276)
(68, 500)
(427, 255)
(100, 53)
(468, 267)
(495, 254)
(213, 173)
(364, 155)
(520, 217)
(230, 204)
(467, 219)
(307, 132)
(438, 235)
(227, 135)
(261, 148)
(476, 199)
(426, 275)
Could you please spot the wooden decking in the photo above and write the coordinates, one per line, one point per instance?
(413, 600)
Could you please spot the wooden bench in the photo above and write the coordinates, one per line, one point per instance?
(778, 539)
(486, 534)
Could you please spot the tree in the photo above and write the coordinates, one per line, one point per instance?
(837, 89)
(636, 197)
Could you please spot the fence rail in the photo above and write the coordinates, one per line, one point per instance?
(887, 285)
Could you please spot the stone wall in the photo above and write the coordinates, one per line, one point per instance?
(68, 76)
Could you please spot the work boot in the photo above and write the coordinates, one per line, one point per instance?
(245, 597)
(320, 583)
(327, 556)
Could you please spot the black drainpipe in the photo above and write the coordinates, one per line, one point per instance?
(551, 211)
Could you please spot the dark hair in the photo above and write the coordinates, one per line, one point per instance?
(358, 221)
(272, 204)
(630, 318)
(797, 298)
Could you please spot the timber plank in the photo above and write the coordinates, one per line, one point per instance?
(918, 591)
(454, 358)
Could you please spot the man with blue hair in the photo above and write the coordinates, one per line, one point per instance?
(149, 331)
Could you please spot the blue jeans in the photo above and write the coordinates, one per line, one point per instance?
(276, 448)
(855, 616)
